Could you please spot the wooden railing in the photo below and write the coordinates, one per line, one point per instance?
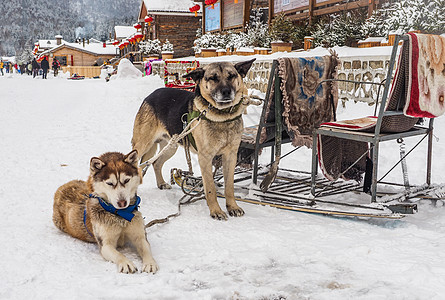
(89, 71)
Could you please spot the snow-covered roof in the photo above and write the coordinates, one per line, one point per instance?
(169, 5)
(123, 32)
(48, 44)
(93, 48)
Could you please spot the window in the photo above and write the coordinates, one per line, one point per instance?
(62, 60)
(285, 2)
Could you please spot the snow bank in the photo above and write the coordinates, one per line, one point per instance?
(126, 70)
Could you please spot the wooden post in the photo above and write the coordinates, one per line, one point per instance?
(221, 15)
(371, 7)
(311, 10)
(271, 9)
(246, 13)
(203, 5)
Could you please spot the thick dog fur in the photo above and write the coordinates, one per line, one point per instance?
(219, 90)
(114, 178)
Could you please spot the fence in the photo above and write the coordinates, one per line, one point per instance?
(83, 71)
(359, 68)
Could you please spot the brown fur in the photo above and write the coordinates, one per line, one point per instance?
(219, 133)
(109, 230)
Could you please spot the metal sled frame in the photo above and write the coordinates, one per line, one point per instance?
(375, 138)
(305, 191)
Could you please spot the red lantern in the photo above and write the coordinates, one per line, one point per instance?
(126, 43)
(195, 9)
(148, 20)
(137, 26)
(211, 2)
(115, 43)
(138, 36)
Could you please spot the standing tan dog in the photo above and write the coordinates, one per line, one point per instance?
(104, 209)
(219, 92)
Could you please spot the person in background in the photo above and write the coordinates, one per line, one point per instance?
(45, 66)
(7, 67)
(1, 66)
(35, 68)
(56, 66)
(29, 68)
(131, 58)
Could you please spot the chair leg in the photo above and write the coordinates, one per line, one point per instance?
(429, 157)
(375, 163)
(314, 169)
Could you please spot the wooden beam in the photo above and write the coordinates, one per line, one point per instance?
(203, 16)
(221, 15)
(311, 10)
(271, 11)
(371, 7)
(341, 7)
(246, 14)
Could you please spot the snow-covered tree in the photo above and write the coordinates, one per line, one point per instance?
(257, 30)
(402, 16)
(282, 29)
(236, 40)
(209, 40)
(150, 47)
(338, 29)
(167, 46)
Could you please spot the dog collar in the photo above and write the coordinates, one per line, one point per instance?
(126, 213)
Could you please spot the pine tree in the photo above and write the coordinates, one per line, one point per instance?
(257, 30)
(338, 30)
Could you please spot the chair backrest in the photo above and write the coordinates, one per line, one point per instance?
(390, 116)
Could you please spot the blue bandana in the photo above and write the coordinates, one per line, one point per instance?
(126, 213)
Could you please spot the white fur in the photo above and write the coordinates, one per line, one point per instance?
(116, 189)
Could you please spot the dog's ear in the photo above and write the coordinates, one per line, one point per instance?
(132, 158)
(96, 164)
(196, 74)
(243, 67)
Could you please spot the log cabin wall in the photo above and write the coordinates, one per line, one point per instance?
(179, 30)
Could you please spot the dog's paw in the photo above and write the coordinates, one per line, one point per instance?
(150, 267)
(218, 215)
(126, 267)
(164, 186)
(236, 211)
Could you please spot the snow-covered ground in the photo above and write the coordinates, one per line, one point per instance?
(49, 130)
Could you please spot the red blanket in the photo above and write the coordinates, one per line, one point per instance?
(425, 73)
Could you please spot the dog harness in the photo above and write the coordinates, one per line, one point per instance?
(194, 114)
(126, 213)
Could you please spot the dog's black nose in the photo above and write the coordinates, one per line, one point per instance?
(225, 92)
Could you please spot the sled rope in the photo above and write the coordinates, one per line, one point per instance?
(174, 140)
(181, 202)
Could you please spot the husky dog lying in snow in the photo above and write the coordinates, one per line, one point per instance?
(219, 92)
(105, 209)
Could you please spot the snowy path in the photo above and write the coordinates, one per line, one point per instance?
(50, 129)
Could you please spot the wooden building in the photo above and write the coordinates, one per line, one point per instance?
(172, 20)
(299, 10)
(85, 53)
